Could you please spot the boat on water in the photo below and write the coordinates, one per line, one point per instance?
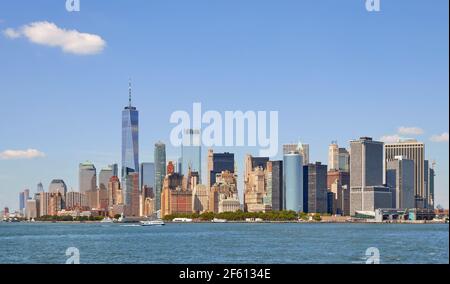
(107, 220)
(216, 220)
(152, 223)
(182, 220)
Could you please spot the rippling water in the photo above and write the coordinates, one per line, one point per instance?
(223, 243)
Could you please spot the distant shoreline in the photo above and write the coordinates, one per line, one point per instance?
(236, 222)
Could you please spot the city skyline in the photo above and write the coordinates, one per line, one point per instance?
(55, 113)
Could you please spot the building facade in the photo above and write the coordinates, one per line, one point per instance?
(87, 177)
(130, 138)
(367, 192)
(315, 198)
(200, 199)
(293, 182)
(415, 151)
(338, 182)
(160, 172)
(191, 152)
(217, 163)
(400, 179)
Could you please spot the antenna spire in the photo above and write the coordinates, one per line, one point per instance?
(129, 92)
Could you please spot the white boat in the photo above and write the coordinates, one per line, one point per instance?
(152, 223)
(182, 220)
(107, 220)
(216, 220)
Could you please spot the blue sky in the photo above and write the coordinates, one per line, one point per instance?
(333, 71)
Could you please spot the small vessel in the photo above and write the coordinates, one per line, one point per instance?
(107, 220)
(152, 223)
(217, 220)
(182, 220)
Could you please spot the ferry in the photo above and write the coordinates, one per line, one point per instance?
(216, 220)
(152, 223)
(182, 220)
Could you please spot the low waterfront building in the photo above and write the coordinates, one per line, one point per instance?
(229, 204)
(370, 198)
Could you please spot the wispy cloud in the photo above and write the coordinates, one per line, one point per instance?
(21, 154)
(11, 33)
(390, 138)
(49, 34)
(410, 130)
(441, 138)
(402, 133)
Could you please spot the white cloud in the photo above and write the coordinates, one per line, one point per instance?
(21, 154)
(410, 130)
(440, 138)
(49, 34)
(390, 138)
(11, 33)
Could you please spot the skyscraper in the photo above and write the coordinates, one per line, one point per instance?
(176, 196)
(191, 152)
(315, 188)
(344, 160)
(217, 163)
(147, 175)
(130, 138)
(301, 148)
(400, 179)
(426, 180)
(366, 176)
(333, 156)
(21, 202)
(132, 195)
(87, 177)
(57, 186)
(293, 181)
(160, 172)
(255, 191)
(412, 150)
(431, 185)
(338, 182)
(40, 188)
(104, 176)
(275, 184)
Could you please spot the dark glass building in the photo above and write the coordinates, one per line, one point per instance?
(219, 162)
(160, 172)
(315, 198)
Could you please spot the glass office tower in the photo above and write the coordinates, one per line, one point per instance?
(130, 156)
(160, 172)
(293, 182)
(147, 175)
(130, 139)
(191, 152)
